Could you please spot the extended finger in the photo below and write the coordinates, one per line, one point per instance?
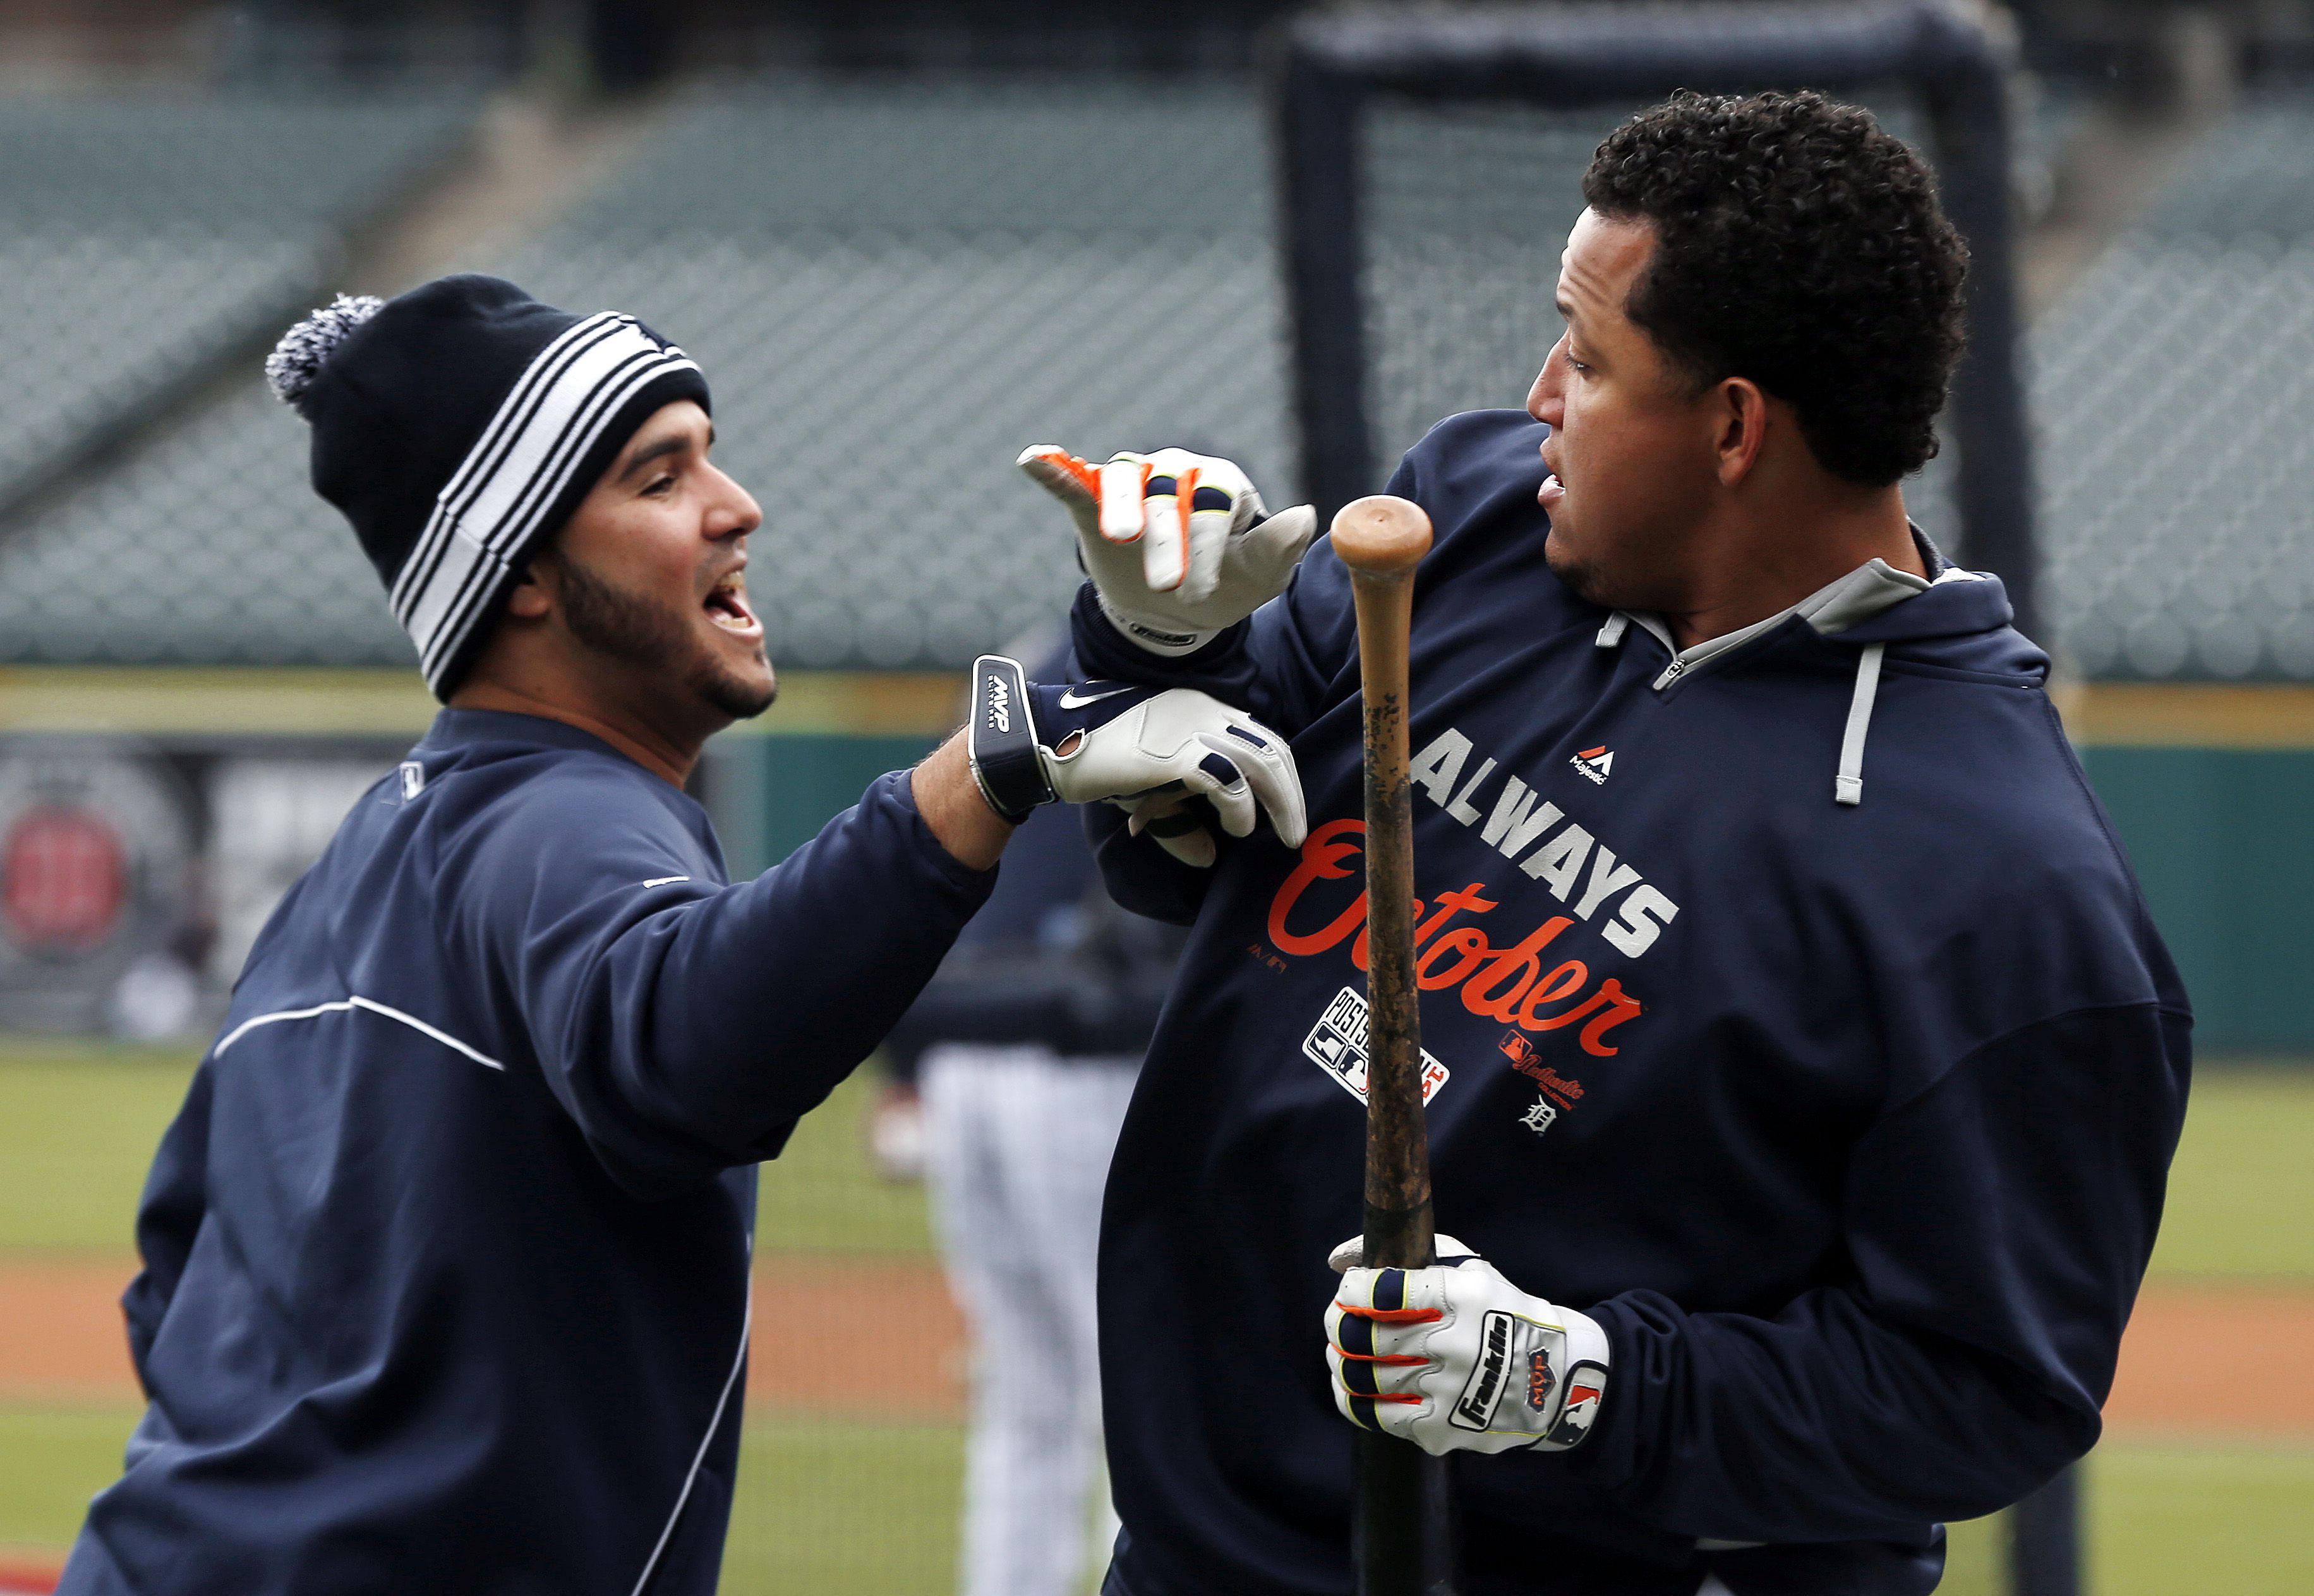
(1122, 480)
(1213, 514)
(1217, 776)
(1060, 473)
(1279, 543)
(1165, 529)
(1267, 766)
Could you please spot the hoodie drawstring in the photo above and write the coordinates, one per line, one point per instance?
(1848, 786)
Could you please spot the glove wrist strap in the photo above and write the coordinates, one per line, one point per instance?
(1001, 740)
(1157, 640)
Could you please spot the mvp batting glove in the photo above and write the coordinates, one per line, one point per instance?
(1143, 750)
(1177, 545)
(1455, 1358)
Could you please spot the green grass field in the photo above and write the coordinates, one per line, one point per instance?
(839, 1509)
(2241, 1192)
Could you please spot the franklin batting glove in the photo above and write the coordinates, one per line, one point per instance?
(1142, 749)
(1178, 545)
(1455, 1358)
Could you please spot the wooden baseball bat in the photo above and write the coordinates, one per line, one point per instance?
(1401, 1525)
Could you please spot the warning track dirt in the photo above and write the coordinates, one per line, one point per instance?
(899, 1356)
(2210, 1360)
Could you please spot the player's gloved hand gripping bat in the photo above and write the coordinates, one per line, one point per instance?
(1455, 1358)
(1143, 749)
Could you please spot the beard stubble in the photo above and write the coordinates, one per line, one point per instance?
(620, 626)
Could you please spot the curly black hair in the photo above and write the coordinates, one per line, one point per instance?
(1798, 245)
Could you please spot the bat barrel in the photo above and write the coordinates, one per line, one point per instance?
(1400, 1546)
(1380, 539)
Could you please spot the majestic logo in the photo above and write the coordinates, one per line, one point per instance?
(1476, 1406)
(1000, 704)
(413, 779)
(1336, 1044)
(1594, 763)
(1540, 1381)
(1541, 1118)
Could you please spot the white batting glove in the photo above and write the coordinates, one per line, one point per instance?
(1144, 750)
(1178, 545)
(1455, 1358)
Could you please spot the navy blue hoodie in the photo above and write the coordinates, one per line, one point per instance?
(446, 1258)
(1849, 1121)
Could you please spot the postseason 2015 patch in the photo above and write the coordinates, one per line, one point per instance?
(1336, 1044)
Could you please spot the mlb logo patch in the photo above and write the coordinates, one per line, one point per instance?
(1585, 1383)
(1336, 1044)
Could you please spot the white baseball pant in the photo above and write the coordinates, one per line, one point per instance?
(1017, 1148)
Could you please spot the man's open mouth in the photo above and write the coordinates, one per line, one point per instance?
(727, 605)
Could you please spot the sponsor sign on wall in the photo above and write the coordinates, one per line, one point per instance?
(97, 879)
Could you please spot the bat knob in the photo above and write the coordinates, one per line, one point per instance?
(1380, 535)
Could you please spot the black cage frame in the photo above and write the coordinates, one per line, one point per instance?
(1325, 67)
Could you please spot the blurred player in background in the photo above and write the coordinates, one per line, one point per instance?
(446, 1281)
(1802, 1065)
(1021, 1056)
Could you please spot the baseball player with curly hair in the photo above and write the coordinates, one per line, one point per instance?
(1803, 1066)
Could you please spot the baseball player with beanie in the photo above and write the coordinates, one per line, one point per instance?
(446, 1281)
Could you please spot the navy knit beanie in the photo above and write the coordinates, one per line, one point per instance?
(457, 427)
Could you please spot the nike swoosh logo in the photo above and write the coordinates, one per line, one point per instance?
(665, 880)
(1071, 700)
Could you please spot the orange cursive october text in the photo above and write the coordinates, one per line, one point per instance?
(1509, 984)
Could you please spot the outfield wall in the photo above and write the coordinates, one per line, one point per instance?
(2211, 789)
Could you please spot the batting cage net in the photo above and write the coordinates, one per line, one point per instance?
(1432, 164)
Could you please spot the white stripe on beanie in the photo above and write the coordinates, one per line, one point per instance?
(486, 515)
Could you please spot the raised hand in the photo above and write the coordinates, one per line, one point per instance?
(1177, 545)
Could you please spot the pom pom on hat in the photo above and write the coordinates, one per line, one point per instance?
(307, 346)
